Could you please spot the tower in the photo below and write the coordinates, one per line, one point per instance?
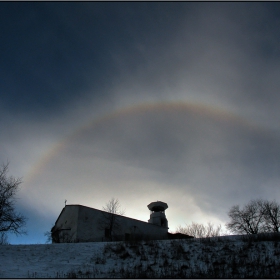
(157, 213)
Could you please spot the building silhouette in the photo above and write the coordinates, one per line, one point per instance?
(78, 223)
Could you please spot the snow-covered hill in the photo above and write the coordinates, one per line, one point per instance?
(224, 257)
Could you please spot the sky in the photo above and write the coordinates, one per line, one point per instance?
(140, 101)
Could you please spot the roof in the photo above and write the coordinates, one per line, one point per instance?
(78, 205)
(157, 206)
(179, 235)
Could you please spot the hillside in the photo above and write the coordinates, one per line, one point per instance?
(223, 257)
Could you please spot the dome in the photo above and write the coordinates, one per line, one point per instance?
(157, 206)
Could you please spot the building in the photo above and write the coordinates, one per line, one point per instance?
(78, 223)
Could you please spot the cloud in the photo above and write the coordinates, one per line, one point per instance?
(211, 57)
(162, 152)
(71, 64)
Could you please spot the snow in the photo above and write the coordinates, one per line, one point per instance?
(114, 259)
(45, 261)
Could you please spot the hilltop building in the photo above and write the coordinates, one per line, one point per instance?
(78, 223)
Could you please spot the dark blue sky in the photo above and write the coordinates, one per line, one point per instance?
(140, 101)
(49, 48)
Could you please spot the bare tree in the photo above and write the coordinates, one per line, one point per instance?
(249, 220)
(10, 220)
(48, 235)
(271, 212)
(212, 231)
(258, 216)
(3, 238)
(200, 231)
(110, 222)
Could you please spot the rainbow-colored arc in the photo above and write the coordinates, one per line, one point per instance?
(200, 109)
